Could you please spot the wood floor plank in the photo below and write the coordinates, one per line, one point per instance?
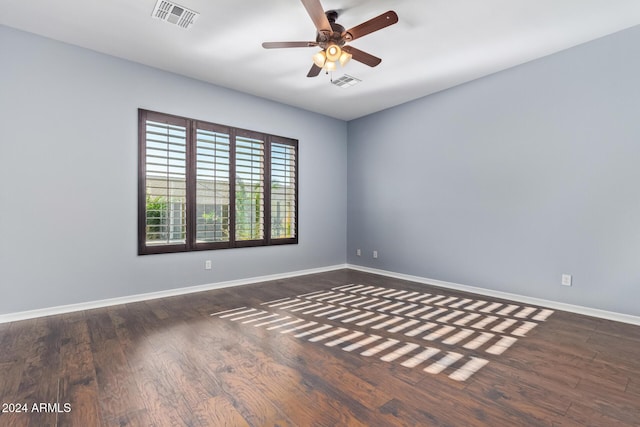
(280, 383)
(549, 362)
(252, 405)
(40, 377)
(14, 419)
(533, 399)
(604, 375)
(118, 393)
(617, 329)
(11, 373)
(448, 407)
(219, 411)
(17, 340)
(617, 350)
(322, 370)
(5, 336)
(161, 393)
(618, 405)
(633, 386)
(78, 386)
(584, 415)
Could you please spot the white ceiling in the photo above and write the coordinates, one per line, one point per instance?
(435, 45)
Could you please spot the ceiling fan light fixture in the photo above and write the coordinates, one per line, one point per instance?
(333, 52)
(320, 59)
(330, 66)
(344, 58)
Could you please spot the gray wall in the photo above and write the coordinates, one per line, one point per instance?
(509, 181)
(503, 183)
(68, 230)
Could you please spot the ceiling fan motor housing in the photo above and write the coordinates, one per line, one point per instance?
(337, 36)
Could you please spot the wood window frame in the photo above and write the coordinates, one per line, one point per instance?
(191, 243)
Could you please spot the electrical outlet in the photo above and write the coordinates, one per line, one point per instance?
(566, 280)
(358, 252)
(375, 254)
(207, 264)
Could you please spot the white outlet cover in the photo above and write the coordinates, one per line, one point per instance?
(566, 280)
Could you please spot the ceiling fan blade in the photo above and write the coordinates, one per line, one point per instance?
(373, 24)
(314, 71)
(316, 12)
(278, 45)
(364, 57)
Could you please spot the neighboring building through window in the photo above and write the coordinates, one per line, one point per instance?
(207, 186)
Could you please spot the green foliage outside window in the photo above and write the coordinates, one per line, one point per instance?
(156, 217)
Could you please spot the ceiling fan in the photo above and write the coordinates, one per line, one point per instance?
(332, 38)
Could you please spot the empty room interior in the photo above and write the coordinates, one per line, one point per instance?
(320, 213)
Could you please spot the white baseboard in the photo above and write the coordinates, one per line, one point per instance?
(50, 311)
(618, 317)
(587, 311)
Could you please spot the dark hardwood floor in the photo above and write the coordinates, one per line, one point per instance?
(314, 351)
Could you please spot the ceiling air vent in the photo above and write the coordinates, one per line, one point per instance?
(175, 14)
(346, 81)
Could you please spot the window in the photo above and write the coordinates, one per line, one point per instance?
(206, 186)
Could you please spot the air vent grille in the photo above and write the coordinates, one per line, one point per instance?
(174, 14)
(346, 81)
